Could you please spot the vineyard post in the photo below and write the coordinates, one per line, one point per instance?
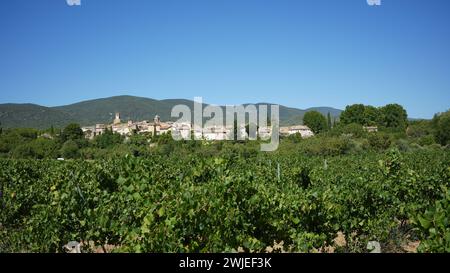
(278, 171)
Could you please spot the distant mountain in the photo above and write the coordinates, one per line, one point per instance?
(325, 110)
(32, 116)
(102, 111)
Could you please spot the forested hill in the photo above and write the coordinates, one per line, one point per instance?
(102, 111)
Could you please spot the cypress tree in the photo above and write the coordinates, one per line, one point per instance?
(329, 120)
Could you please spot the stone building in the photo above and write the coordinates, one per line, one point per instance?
(92, 131)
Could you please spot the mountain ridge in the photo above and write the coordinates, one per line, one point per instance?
(101, 110)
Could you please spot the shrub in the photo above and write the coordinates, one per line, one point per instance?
(295, 138)
(419, 129)
(353, 129)
(326, 145)
(426, 140)
(70, 149)
(403, 145)
(108, 139)
(379, 141)
(434, 225)
(434, 146)
(23, 151)
(442, 128)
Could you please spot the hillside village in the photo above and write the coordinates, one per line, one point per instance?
(183, 130)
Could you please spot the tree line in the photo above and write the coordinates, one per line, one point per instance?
(391, 117)
(393, 129)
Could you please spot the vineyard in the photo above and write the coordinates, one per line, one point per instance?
(258, 203)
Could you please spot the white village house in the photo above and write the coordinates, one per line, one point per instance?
(303, 130)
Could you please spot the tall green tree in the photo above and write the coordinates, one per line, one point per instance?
(353, 114)
(371, 116)
(107, 139)
(315, 121)
(442, 128)
(394, 116)
(361, 114)
(72, 132)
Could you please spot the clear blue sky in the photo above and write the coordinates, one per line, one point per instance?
(299, 53)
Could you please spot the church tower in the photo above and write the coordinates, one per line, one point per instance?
(117, 119)
(157, 120)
